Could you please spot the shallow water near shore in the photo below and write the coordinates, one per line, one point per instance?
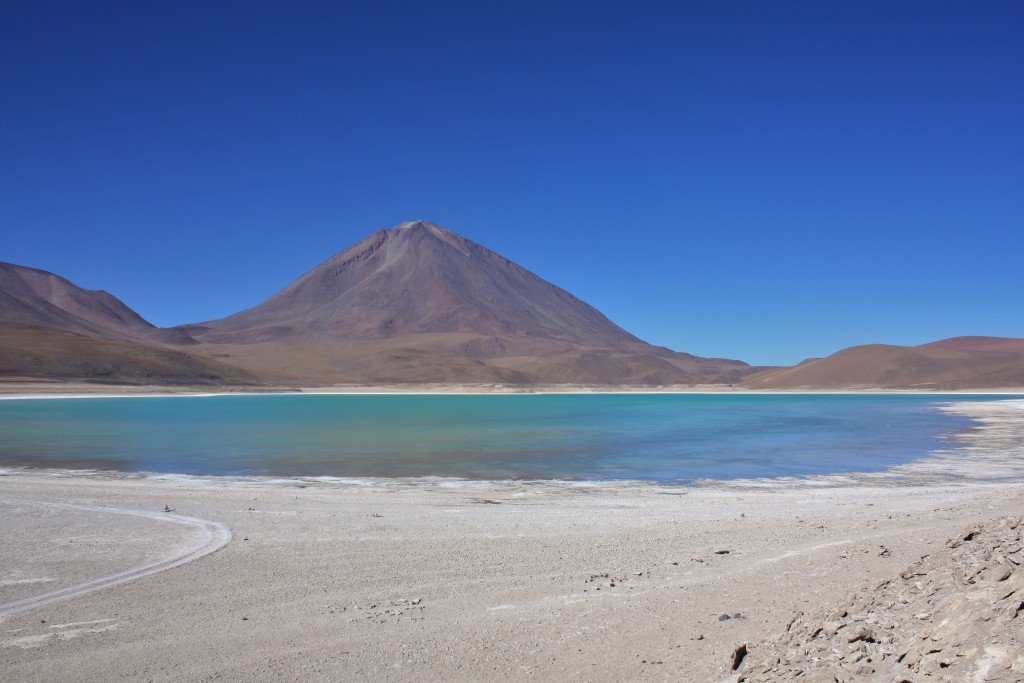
(663, 438)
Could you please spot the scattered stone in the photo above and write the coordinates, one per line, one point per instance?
(407, 608)
(953, 615)
(861, 633)
(605, 579)
(998, 573)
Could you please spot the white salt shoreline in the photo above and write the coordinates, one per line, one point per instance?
(509, 391)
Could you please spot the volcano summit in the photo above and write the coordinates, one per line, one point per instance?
(418, 303)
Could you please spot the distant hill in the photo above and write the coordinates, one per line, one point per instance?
(38, 297)
(52, 329)
(30, 353)
(418, 303)
(987, 344)
(958, 363)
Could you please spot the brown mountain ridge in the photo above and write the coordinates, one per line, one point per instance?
(948, 364)
(420, 304)
(38, 297)
(53, 330)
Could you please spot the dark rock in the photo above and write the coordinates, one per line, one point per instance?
(737, 656)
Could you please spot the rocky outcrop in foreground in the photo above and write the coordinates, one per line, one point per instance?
(952, 616)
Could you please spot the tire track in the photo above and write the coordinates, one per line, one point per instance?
(215, 535)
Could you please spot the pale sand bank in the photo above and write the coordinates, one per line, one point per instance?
(36, 389)
(409, 581)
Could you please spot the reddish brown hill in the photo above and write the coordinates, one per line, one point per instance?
(418, 303)
(30, 352)
(38, 297)
(989, 344)
(960, 363)
(52, 329)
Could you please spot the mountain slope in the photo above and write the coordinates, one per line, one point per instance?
(418, 279)
(52, 329)
(31, 352)
(959, 363)
(418, 303)
(38, 297)
(989, 344)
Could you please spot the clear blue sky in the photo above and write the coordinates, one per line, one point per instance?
(765, 180)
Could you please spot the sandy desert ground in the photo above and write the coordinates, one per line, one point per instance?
(40, 389)
(110, 576)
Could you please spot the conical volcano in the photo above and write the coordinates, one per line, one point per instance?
(418, 303)
(418, 278)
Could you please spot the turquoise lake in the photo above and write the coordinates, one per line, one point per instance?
(661, 438)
